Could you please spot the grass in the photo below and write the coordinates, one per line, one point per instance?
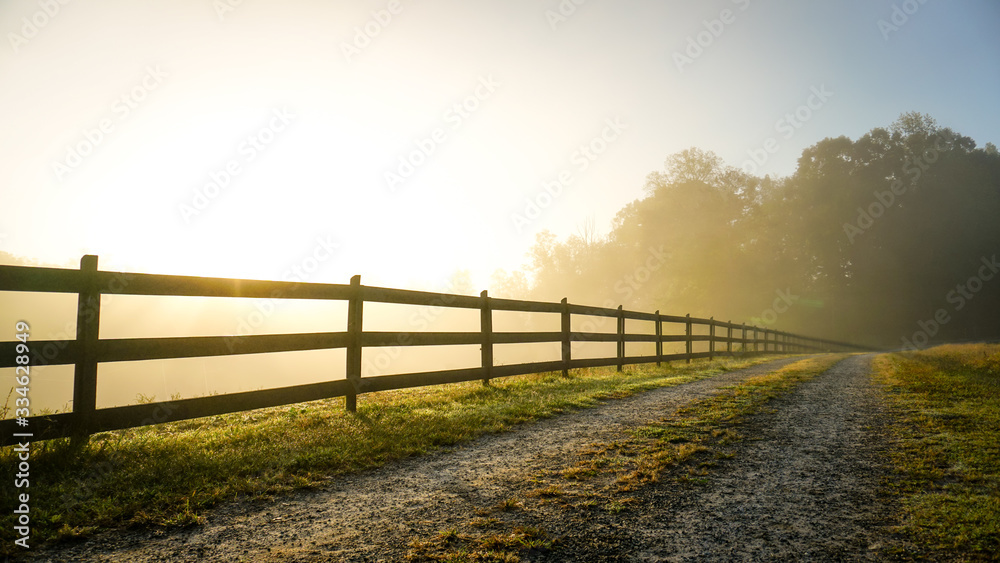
(948, 459)
(682, 447)
(171, 474)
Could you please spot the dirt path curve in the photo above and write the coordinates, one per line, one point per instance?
(804, 488)
(373, 515)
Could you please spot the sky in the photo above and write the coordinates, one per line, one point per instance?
(404, 140)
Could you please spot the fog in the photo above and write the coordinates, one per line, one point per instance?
(53, 317)
(819, 168)
(890, 240)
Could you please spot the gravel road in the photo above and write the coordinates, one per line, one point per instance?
(805, 488)
(802, 489)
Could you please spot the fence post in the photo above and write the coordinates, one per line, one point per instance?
(621, 338)
(659, 339)
(711, 338)
(355, 322)
(743, 345)
(88, 326)
(486, 326)
(755, 338)
(566, 349)
(729, 336)
(687, 338)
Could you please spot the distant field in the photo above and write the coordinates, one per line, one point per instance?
(948, 399)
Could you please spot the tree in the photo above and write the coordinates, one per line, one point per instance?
(872, 237)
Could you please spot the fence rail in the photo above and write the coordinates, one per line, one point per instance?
(88, 349)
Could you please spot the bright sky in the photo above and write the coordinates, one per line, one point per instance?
(301, 118)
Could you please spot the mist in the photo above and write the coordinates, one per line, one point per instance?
(806, 167)
(888, 240)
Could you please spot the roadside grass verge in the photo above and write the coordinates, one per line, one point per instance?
(681, 448)
(948, 458)
(171, 474)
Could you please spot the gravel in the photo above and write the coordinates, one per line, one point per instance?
(803, 488)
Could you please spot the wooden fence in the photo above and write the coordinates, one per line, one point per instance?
(88, 349)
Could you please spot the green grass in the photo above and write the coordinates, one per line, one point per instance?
(171, 474)
(948, 457)
(682, 447)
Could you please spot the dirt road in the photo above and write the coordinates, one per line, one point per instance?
(803, 488)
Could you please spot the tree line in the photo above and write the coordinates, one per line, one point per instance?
(892, 239)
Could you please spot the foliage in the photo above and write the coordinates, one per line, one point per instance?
(868, 237)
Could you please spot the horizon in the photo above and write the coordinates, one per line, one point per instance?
(347, 101)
